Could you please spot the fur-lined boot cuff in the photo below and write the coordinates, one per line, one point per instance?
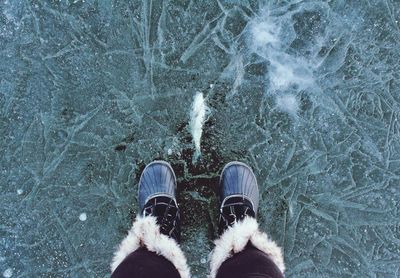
(146, 233)
(235, 239)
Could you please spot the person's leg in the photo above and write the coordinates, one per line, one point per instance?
(242, 249)
(251, 262)
(145, 264)
(151, 245)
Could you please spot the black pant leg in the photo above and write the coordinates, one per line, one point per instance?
(250, 263)
(145, 264)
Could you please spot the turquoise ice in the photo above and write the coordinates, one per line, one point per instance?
(306, 92)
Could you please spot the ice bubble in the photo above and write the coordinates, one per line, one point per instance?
(83, 217)
(8, 273)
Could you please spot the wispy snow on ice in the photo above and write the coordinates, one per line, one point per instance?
(268, 37)
(287, 103)
(264, 34)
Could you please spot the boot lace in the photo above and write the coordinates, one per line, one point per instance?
(234, 210)
(167, 214)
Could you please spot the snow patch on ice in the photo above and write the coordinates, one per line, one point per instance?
(198, 116)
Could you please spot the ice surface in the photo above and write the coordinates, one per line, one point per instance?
(91, 91)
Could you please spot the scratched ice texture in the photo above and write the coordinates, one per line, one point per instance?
(306, 92)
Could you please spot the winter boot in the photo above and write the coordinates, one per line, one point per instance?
(158, 227)
(239, 195)
(157, 187)
(238, 227)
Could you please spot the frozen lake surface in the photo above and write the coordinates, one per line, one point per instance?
(306, 92)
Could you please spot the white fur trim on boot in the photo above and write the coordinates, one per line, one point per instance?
(146, 233)
(235, 239)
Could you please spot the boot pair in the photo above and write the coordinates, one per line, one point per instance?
(157, 228)
(239, 196)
